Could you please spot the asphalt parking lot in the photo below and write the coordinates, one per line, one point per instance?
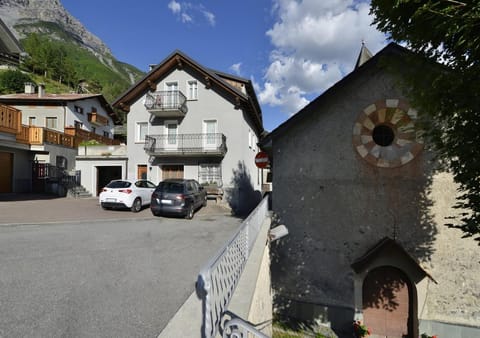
(41, 208)
(68, 268)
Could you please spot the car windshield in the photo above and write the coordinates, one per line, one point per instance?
(119, 184)
(171, 187)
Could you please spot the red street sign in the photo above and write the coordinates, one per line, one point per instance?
(261, 160)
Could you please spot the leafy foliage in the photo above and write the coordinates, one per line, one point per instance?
(13, 81)
(56, 54)
(444, 85)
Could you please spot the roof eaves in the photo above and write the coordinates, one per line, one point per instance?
(305, 111)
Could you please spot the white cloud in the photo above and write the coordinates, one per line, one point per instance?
(210, 17)
(236, 68)
(316, 43)
(186, 18)
(187, 12)
(174, 6)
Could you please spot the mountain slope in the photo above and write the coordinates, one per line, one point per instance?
(93, 60)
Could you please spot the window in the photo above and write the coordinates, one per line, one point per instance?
(78, 125)
(383, 135)
(192, 90)
(141, 131)
(210, 129)
(210, 173)
(79, 109)
(171, 97)
(31, 121)
(51, 122)
(252, 140)
(171, 132)
(106, 134)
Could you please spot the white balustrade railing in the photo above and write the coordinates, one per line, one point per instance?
(218, 279)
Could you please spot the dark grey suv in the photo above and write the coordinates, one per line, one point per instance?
(178, 197)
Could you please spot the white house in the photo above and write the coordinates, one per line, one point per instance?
(186, 120)
(48, 128)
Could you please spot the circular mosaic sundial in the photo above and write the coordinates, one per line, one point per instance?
(384, 134)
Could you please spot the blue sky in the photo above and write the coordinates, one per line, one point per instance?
(292, 50)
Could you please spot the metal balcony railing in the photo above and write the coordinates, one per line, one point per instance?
(166, 103)
(186, 145)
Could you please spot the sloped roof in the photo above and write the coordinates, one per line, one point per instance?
(390, 49)
(56, 100)
(179, 60)
(387, 246)
(8, 42)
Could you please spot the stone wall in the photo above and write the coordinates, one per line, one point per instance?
(336, 206)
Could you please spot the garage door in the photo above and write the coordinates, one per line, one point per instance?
(6, 172)
(172, 171)
(386, 303)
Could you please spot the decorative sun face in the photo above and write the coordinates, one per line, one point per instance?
(385, 135)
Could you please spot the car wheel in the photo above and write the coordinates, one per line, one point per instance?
(137, 205)
(104, 207)
(155, 213)
(189, 214)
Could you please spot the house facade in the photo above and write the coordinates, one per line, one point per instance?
(185, 120)
(50, 127)
(366, 210)
(15, 156)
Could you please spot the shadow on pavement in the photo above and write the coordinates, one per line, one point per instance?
(8, 197)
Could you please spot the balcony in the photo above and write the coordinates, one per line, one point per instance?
(214, 145)
(71, 138)
(97, 119)
(168, 103)
(40, 136)
(81, 135)
(10, 120)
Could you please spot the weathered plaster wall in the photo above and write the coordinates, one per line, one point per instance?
(336, 206)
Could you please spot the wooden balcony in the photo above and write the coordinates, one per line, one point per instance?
(71, 138)
(167, 103)
(97, 119)
(40, 136)
(10, 120)
(81, 135)
(186, 145)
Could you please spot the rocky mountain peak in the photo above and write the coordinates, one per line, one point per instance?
(21, 15)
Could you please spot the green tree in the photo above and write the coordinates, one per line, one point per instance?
(444, 84)
(13, 81)
(50, 59)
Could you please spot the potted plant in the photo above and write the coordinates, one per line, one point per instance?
(360, 329)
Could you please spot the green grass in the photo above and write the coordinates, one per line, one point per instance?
(282, 331)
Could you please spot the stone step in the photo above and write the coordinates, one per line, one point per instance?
(79, 192)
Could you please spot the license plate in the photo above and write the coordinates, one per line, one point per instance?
(166, 201)
(111, 199)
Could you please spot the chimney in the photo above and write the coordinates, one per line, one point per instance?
(41, 89)
(29, 88)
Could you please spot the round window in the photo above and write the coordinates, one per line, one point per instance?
(384, 134)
